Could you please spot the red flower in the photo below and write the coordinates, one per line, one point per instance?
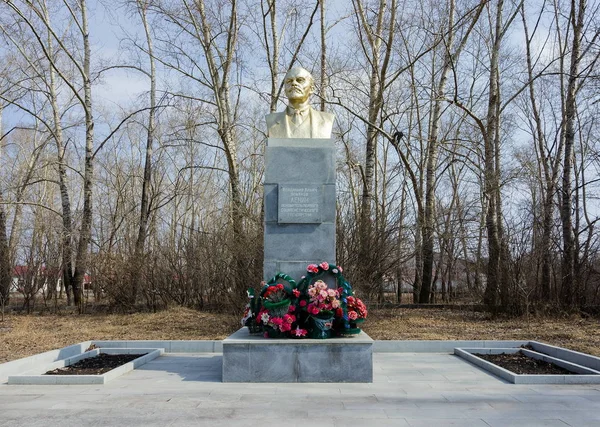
(324, 265)
(312, 268)
(303, 303)
(296, 293)
(339, 312)
(279, 286)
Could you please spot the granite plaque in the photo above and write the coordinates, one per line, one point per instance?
(299, 204)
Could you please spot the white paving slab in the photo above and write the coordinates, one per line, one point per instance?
(409, 389)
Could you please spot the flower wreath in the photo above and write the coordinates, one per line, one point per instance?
(288, 314)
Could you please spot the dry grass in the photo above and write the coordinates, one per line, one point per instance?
(573, 332)
(24, 335)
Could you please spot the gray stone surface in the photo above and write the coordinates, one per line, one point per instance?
(170, 346)
(294, 162)
(249, 358)
(408, 389)
(295, 242)
(439, 346)
(300, 204)
(300, 201)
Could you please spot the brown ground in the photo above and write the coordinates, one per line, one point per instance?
(96, 365)
(25, 335)
(520, 364)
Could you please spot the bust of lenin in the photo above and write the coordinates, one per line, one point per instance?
(299, 120)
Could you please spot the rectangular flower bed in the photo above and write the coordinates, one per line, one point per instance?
(37, 376)
(581, 374)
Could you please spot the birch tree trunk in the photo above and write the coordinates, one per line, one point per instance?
(576, 19)
(137, 272)
(85, 233)
(491, 179)
(380, 56)
(67, 222)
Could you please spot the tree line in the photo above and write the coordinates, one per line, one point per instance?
(467, 131)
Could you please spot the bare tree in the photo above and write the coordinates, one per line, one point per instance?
(451, 56)
(5, 264)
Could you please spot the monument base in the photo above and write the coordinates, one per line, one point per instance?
(255, 359)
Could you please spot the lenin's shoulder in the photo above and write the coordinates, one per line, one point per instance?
(274, 118)
(326, 117)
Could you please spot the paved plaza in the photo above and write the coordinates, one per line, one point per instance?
(409, 389)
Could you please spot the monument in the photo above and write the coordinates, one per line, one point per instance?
(299, 229)
(299, 185)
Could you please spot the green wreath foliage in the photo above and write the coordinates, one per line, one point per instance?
(297, 315)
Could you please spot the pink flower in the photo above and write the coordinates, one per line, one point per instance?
(303, 303)
(292, 308)
(277, 321)
(335, 303)
(324, 265)
(340, 268)
(299, 332)
(296, 293)
(352, 315)
(312, 268)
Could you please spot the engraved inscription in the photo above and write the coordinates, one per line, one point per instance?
(299, 204)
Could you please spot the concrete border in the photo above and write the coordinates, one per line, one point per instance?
(216, 346)
(438, 346)
(572, 356)
(36, 376)
(28, 363)
(411, 346)
(585, 375)
(170, 346)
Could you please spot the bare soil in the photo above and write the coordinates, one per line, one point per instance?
(521, 364)
(96, 365)
(24, 335)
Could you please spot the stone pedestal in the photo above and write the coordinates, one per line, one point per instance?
(299, 196)
(254, 359)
